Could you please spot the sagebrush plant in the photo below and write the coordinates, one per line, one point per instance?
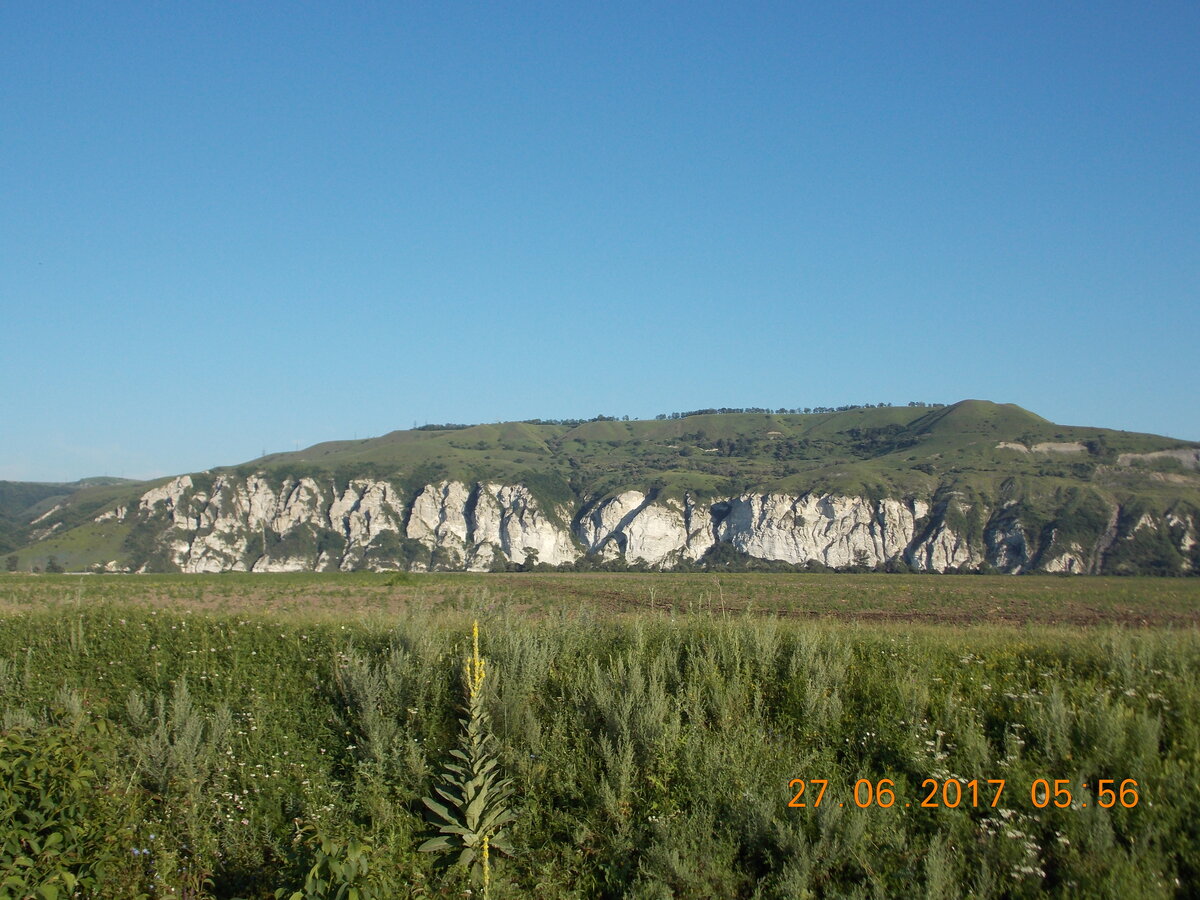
(471, 803)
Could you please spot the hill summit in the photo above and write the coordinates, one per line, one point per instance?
(972, 486)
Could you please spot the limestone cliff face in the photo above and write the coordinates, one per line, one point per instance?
(835, 531)
(472, 527)
(365, 511)
(243, 524)
(943, 549)
(1006, 544)
(258, 523)
(439, 519)
(658, 533)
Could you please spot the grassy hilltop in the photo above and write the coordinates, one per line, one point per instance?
(887, 450)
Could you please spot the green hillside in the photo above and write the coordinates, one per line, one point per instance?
(893, 450)
(23, 503)
(1061, 480)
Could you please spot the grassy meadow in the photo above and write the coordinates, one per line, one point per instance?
(262, 736)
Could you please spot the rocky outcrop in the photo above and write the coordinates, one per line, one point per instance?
(832, 530)
(945, 548)
(1007, 547)
(1186, 457)
(643, 530)
(255, 524)
(514, 524)
(47, 514)
(1072, 559)
(473, 527)
(1044, 447)
(261, 523)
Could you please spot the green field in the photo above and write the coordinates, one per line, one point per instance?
(235, 736)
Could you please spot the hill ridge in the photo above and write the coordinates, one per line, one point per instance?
(972, 484)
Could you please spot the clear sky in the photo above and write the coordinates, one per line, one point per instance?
(230, 227)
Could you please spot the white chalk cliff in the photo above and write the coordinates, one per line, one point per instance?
(263, 524)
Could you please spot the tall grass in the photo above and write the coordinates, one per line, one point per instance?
(650, 758)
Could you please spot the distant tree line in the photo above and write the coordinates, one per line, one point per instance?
(569, 423)
(805, 410)
(781, 411)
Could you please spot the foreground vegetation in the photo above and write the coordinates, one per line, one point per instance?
(935, 599)
(160, 743)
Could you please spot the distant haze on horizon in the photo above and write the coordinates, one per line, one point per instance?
(237, 229)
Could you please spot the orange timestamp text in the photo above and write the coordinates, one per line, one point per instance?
(951, 793)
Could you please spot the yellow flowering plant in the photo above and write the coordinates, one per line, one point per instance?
(470, 808)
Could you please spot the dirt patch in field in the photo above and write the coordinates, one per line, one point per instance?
(964, 600)
(927, 600)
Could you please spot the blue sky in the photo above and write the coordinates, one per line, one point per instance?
(233, 227)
